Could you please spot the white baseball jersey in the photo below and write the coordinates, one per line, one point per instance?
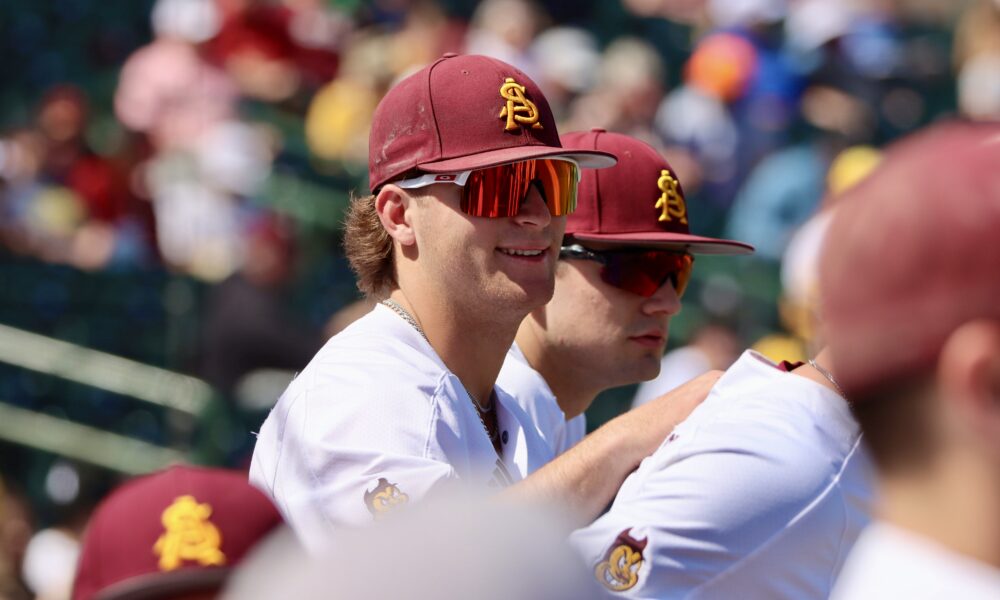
(889, 562)
(760, 493)
(519, 379)
(374, 421)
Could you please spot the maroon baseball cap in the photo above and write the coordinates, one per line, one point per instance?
(639, 201)
(912, 253)
(178, 530)
(461, 113)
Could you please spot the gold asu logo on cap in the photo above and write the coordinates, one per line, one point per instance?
(189, 535)
(619, 571)
(671, 202)
(385, 497)
(518, 110)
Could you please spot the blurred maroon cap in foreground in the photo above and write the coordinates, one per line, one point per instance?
(913, 253)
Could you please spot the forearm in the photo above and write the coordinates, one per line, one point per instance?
(584, 479)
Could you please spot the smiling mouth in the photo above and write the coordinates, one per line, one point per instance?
(516, 252)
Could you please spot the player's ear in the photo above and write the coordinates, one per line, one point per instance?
(392, 205)
(969, 380)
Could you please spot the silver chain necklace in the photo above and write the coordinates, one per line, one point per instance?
(480, 409)
(829, 377)
(406, 316)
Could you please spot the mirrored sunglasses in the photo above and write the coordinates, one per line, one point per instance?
(638, 270)
(498, 191)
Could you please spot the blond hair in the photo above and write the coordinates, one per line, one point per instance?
(368, 247)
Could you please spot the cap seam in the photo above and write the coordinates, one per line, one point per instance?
(430, 98)
(597, 190)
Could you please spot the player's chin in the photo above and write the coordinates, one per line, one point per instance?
(523, 296)
(646, 365)
(534, 290)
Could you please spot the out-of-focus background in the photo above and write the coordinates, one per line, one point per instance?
(173, 175)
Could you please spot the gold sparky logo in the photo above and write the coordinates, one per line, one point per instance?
(385, 497)
(189, 535)
(619, 571)
(671, 202)
(519, 110)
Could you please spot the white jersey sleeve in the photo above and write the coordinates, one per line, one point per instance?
(757, 495)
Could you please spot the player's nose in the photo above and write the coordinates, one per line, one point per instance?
(533, 210)
(663, 301)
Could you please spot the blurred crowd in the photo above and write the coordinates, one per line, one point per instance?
(232, 99)
(223, 146)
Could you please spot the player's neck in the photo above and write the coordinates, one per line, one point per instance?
(574, 392)
(939, 504)
(472, 348)
(825, 361)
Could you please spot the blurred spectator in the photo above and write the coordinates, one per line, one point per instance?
(798, 305)
(504, 29)
(568, 61)
(977, 59)
(246, 325)
(779, 195)
(154, 137)
(64, 203)
(169, 93)
(272, 50)
(629, 88)
(347, 315)
(15, 532)
(50, 563)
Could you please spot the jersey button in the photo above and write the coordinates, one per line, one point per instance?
(504, 437)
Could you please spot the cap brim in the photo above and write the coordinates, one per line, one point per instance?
(587, 159)
(159, 586)
(695, 244)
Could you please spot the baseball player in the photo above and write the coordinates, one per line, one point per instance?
(459, 241)
(909, 284)
(177, 533)
(760, 493)
(624, 263)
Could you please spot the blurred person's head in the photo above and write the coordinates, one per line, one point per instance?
(979, 87)
(169, 92)
(909, 291)
(504, 28)
(454, 545)
(16, 522)
(568, 60)
(270, 251)
(22, 153)
(625, 262)
(461, 154)
(977, 31)
(62, 114)
(177, 533)
(632, 76)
